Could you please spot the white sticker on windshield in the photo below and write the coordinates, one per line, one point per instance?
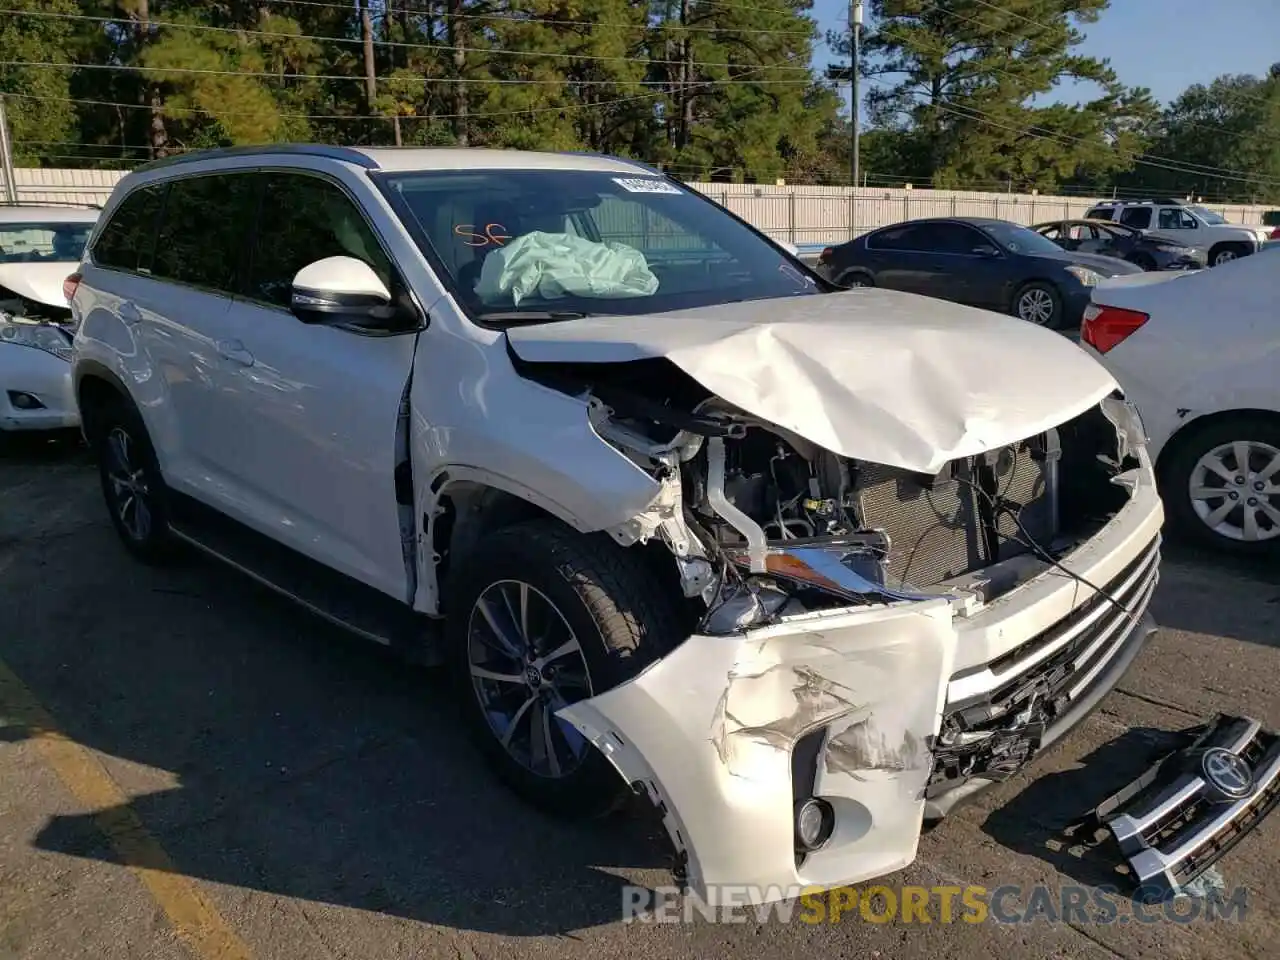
(645, 185)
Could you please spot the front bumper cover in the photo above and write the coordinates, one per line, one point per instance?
(727, 732)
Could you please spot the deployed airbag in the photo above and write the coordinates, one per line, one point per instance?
(554, 265)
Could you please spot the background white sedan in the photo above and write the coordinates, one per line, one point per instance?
(1199, 353)
(39, 247)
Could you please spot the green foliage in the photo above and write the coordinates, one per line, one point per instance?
(959, 92)
(963, 77)
(1232, 124)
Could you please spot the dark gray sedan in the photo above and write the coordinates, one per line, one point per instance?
(976, 261)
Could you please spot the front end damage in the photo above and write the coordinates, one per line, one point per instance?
(872, 641)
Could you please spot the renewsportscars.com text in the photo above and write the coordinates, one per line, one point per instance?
(1008, 903)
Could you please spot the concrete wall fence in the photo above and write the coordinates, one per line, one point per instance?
(799, 214)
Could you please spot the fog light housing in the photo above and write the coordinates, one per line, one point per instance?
(815, 820)
(24, 401)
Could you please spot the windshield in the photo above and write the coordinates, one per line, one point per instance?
(1208, 216)
(43, 242)
(529, 242)
(1018, 239)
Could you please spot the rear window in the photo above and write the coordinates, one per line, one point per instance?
(1099, 213)
(43, 242)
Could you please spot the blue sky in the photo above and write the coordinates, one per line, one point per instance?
(1166, 45)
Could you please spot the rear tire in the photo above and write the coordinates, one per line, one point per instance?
(132, 486)
(1208, 460)
(597, 603)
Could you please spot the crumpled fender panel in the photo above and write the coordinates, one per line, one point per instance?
(709, 729)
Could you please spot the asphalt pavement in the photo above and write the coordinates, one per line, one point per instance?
(191, 767)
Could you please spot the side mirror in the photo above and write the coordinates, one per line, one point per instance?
(340, 290)
(986, 250)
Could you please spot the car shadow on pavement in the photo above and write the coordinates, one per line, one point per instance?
(267, 751)
(1051, 819)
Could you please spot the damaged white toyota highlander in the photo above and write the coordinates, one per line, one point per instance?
(804, 567)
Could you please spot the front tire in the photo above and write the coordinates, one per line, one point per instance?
(855, 278)
(1039, 303)
(540, 617)
(1226, 252)
(132, 486)
(1221, 486)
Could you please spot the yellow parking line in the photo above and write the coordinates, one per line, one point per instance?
(195, 919)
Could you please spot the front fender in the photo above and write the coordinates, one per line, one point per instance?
(709, 731)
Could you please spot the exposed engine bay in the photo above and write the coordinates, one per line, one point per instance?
(17, 306)
(764, 523)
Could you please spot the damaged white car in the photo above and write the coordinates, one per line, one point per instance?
(39, 245)
(804, 567)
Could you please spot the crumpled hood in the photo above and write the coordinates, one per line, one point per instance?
(869, 374)
(41, 282)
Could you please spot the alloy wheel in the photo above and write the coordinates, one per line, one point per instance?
(1235, 490)
(1226, 256)
(1036, 306)
(526, 663)
(126, 477)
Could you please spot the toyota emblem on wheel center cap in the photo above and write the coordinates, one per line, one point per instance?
(1226, 773)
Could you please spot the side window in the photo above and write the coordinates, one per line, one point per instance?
(1173, 218)
(204, 230)
(304, 219)
(1099, 213)
(905, 236)
(128, 237)
(1137, 217)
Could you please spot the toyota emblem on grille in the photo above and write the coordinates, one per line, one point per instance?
(1226, 773)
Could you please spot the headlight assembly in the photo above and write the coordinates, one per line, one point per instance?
(1087, 277)
(37, 334)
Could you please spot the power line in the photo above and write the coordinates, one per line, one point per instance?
(1145, 159)
(1046, 26)
(345, 116)
(266, 75)
(551, 21)
(398, 44)
(693, 86)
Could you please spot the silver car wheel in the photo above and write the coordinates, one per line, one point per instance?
(526, 663)
(1036, 306)
(1235, 490)
(1225, 256)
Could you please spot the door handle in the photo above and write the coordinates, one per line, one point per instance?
(236, 352)
(129, 312)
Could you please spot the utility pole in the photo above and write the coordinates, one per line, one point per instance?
(6, 155)
(850, 73)
(855, 29)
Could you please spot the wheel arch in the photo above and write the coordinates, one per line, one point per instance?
(96, 386)
(1190, 429)
(1216, 248)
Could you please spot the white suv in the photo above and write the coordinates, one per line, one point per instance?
(804, 566)
(1193, 225)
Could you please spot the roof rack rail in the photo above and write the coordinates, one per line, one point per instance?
(345, 154)
(1170, 201)
(50, 203)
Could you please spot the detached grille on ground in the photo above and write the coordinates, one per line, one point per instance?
(1182, 815)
